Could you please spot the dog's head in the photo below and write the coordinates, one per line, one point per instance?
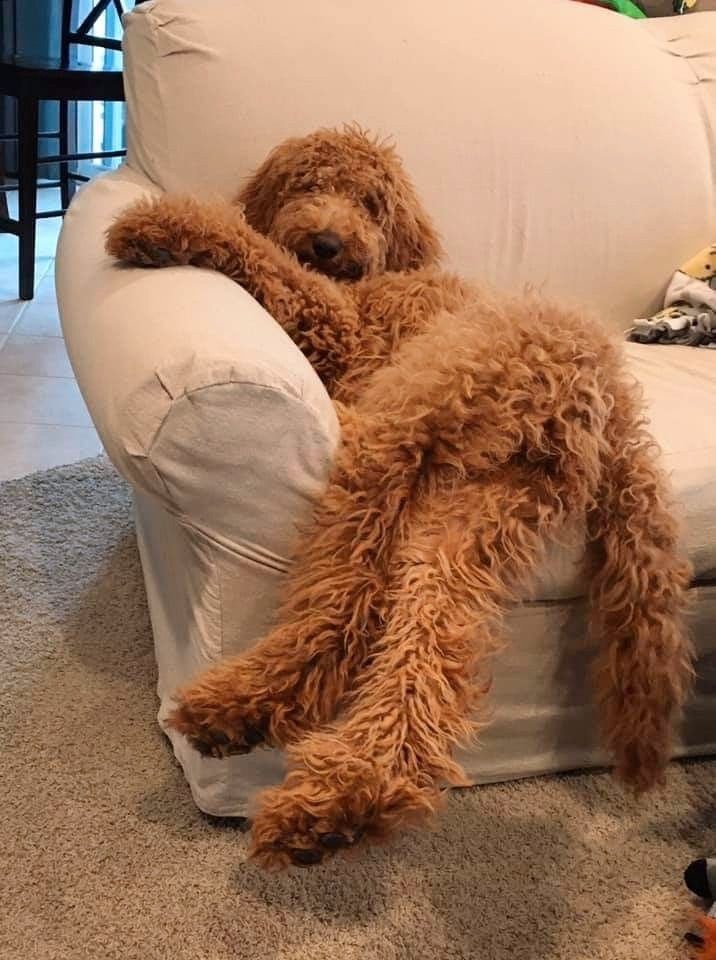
(342, 202)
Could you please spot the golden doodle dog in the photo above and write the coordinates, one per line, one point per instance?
(473, 427)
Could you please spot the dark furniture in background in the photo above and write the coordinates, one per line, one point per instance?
(32, 80)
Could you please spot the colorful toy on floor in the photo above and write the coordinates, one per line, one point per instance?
(700, 878)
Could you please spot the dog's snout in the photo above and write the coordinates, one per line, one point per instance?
(326, 245)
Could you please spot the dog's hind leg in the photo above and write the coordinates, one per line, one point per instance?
(381, 766)
(639, 582)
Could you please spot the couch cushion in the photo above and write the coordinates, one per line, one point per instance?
(680, 388)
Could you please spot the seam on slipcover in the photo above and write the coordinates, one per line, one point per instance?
(207, 386)
(582, 597)
(215, 568)
(703, 110)
(147, 455)
(298, 396)
(272, 562)
(153, 23)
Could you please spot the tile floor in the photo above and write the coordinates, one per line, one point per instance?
(43, 419)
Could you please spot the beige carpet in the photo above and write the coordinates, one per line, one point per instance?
(103, 855)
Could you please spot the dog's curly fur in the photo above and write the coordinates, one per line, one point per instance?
(473, 427)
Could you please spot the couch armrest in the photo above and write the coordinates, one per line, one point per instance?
(201, 400)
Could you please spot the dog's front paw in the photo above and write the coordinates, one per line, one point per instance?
(217, 728)
(148, 235)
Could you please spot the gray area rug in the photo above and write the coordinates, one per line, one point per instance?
(104, 856)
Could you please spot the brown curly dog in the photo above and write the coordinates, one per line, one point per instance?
(473, 426)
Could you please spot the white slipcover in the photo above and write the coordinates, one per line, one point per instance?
(555, 144)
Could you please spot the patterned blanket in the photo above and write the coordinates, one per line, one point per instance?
(689, 313)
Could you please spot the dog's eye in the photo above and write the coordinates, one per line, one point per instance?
(371, 204)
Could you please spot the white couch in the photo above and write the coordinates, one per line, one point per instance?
(555, 144)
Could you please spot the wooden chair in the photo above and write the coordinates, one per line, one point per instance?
(32, 80)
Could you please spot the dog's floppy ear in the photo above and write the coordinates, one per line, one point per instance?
(262, 195)
(413, 241)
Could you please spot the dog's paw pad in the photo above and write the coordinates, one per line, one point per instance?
(253, 736)
(213, 736)
(316, 845)
(334, 841)
(305, 857)
(162, 257)
(218, 745)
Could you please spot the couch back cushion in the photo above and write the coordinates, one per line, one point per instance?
(556, 144)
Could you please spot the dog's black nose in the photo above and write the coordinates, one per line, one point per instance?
(326, 245)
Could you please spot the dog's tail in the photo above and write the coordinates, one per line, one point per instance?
(638, 588)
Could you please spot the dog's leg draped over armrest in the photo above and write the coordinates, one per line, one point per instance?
(176, 230)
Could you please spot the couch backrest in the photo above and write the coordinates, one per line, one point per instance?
(555, 143)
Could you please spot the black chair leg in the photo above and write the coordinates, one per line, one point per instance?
(27, 110)
(66, 184)
(4, 211)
